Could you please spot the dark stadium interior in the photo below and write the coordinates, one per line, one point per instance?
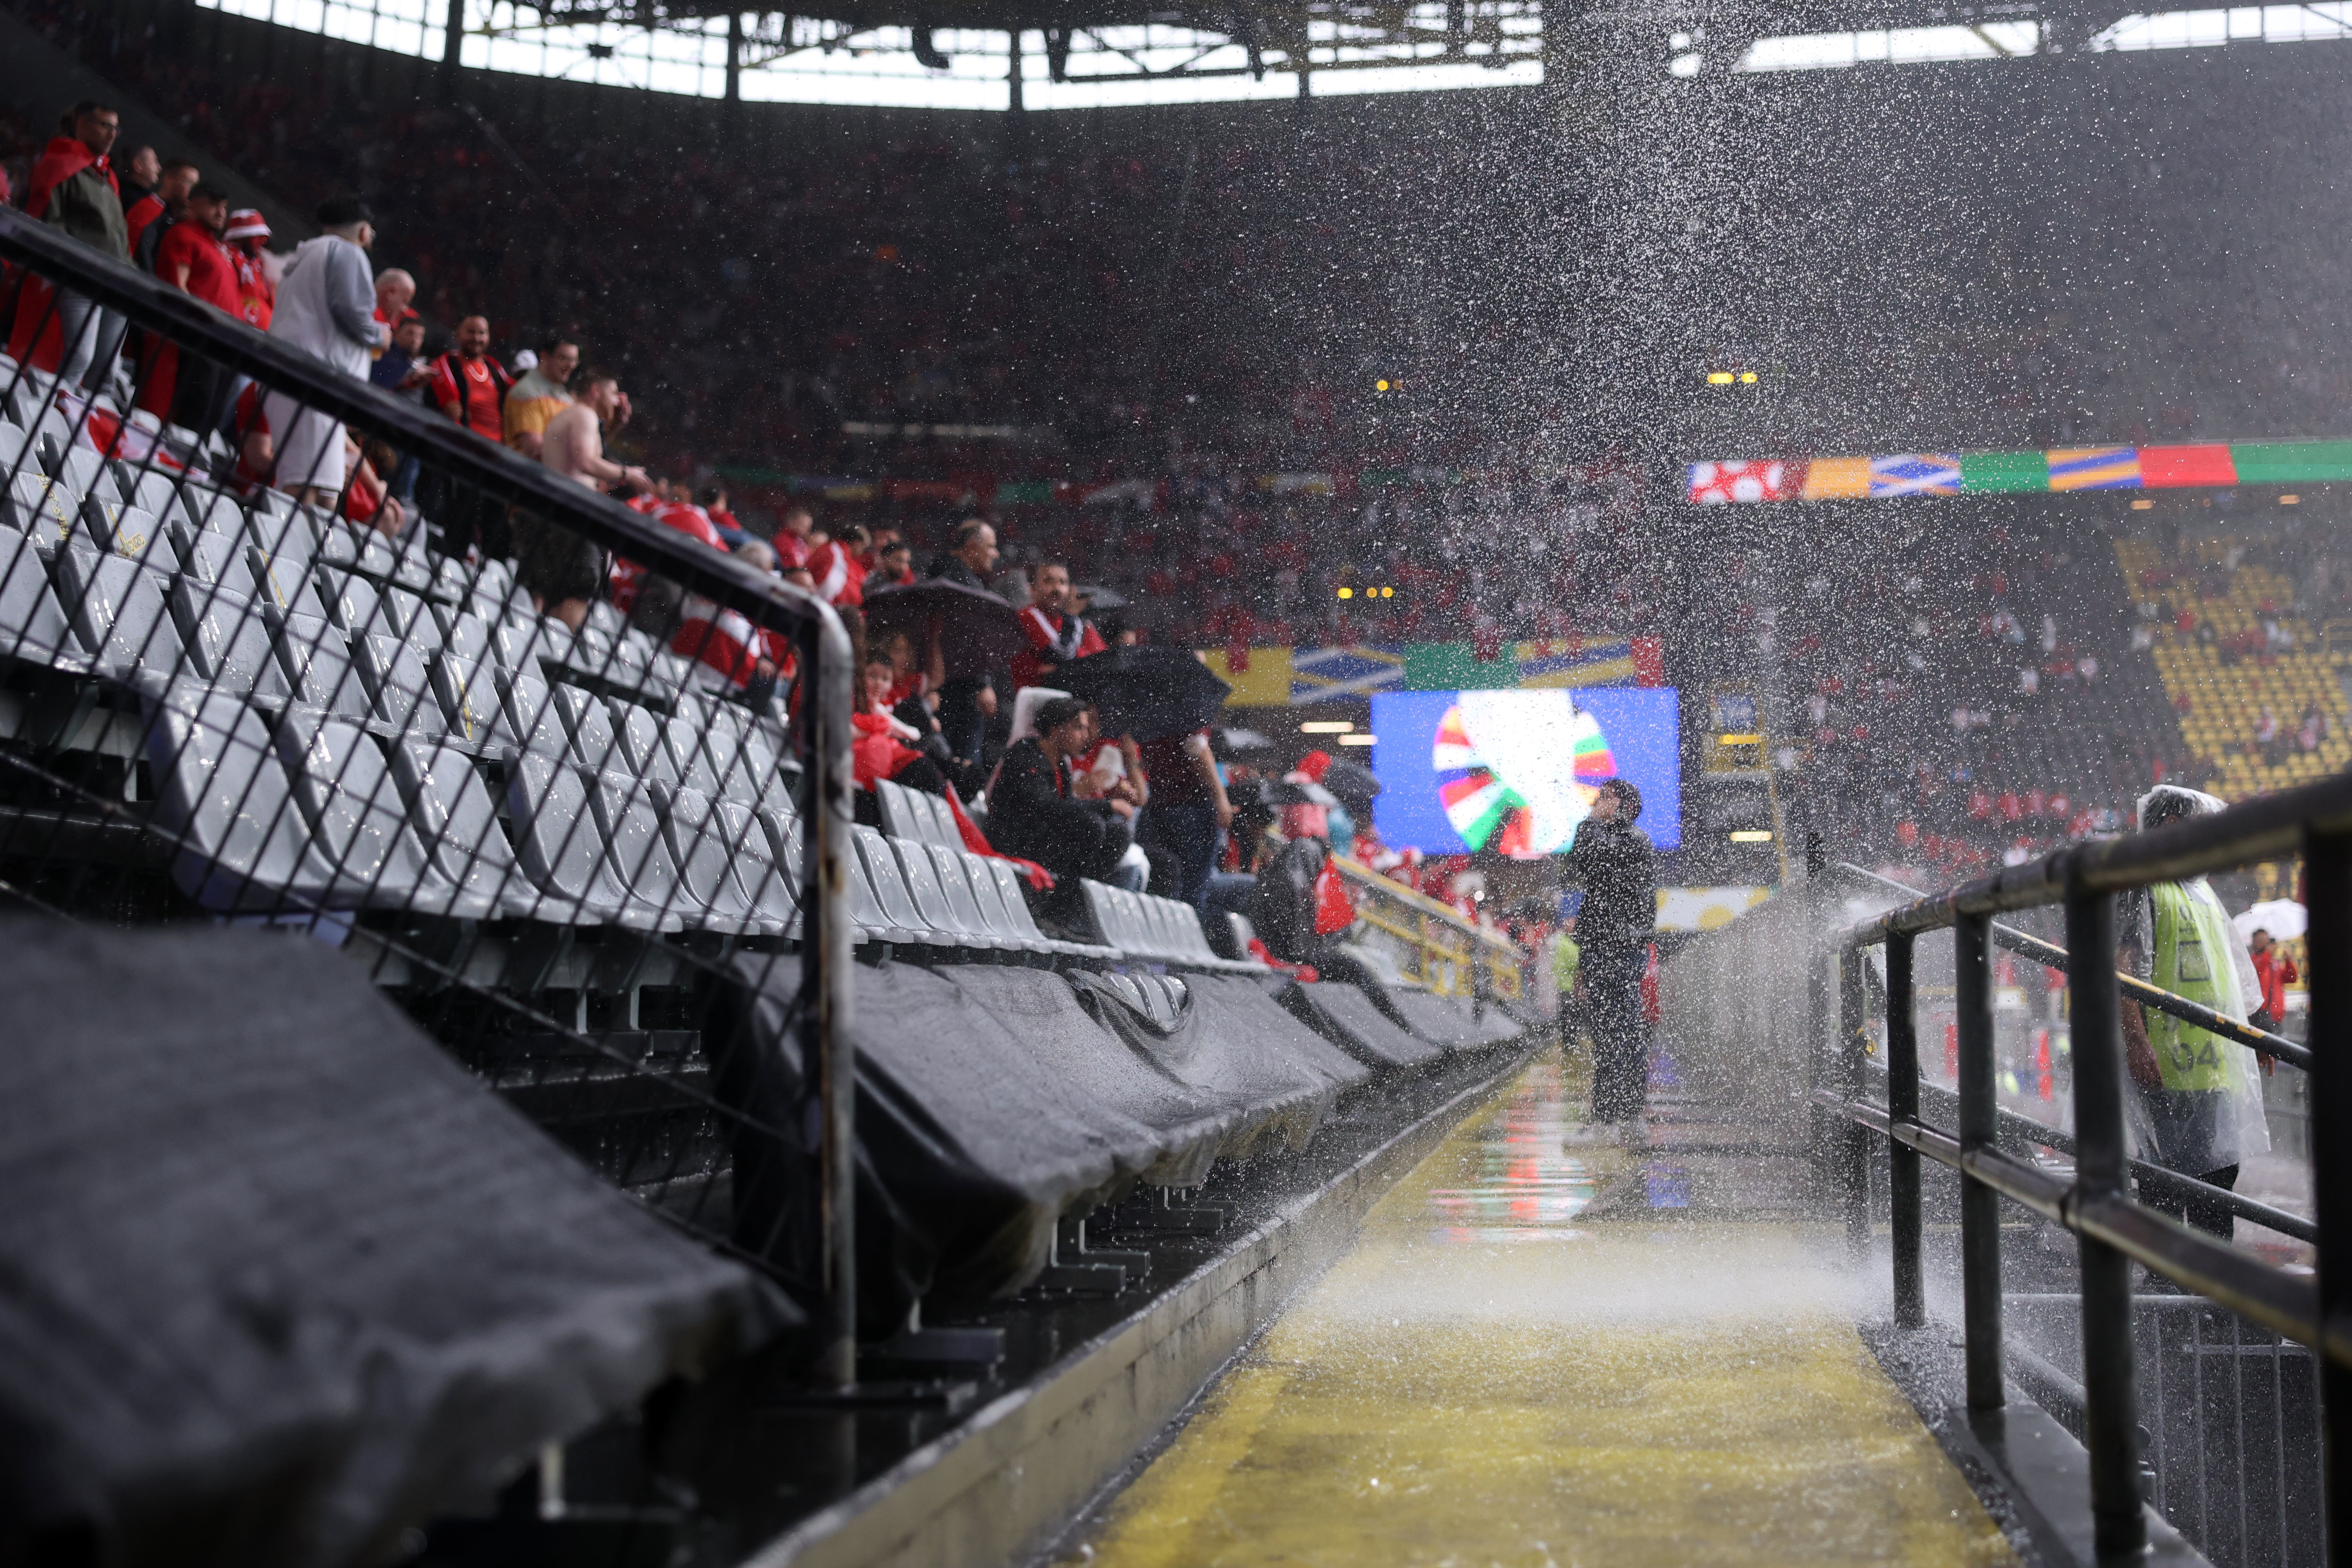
(1353, 396)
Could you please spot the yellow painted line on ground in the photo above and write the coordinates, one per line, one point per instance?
(1485, 1380)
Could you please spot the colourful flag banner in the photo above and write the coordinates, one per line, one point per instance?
(1772, 479)
(2171, 467)
(1837, 479)
(2093, 468)
(1916, 474)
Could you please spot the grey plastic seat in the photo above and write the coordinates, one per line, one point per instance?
(350, 600)
(118, 611)
(82, 470)
(53, 438)
(770, 879)
(285, 583)
(127, 532)
(561, 846)
(631, 823)
(33, 626)
(244, 843)
(952, 922)
(709, 851)
(980, 883)
(530, 712)
(318, 663)
(898, 813)
(32, 506)
(970, 911)
(398, 684)
(450, 809)
(228, 643)
(901, 922)
(596, 743)
(702, 758)
(212, 558)
(528, 643)
(287, 548)
(155, 490)
(359, 823)
(1009, 888)
(213, 511)
(643, 745)
(463, 634)
(271, 502)
(16, 449)
(468, 691)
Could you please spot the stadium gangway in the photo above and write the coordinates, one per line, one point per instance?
(2112, 1230)
(112, 515)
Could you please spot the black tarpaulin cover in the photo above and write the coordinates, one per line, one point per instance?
(282, 1278)
(1046, 1014)
(972, 1140)
(1350, 1020)
(1206, 1045)
(1438, 1019)
(1253, 1035)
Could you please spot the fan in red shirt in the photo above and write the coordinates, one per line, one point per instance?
(838, 566)
(1055, 636)
(191, 259)
(791, 543)
(694, 522)
(469, 387)
(247, 236)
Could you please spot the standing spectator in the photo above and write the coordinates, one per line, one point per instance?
(402, 372)
(74, 189)
(2274, 971)
(395, 290)
(1617, 867)
(1057, 634)
(563, 573)
(2202, 1104)
(248, 241)
(967, 703)
(542, 392)
(152, 217)
(182, 388)
(471, 387)
(325, 307)
(1189, 811)
(141, 172)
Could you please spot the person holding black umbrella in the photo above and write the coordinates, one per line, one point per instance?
(967, 703)
(1190, 812)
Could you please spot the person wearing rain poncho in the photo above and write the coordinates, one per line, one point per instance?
(2197, 1105)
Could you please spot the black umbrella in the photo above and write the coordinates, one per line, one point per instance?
(978, 631)
(1352, 782)
(1282, 791)
(1097, 599)
(1147, 692)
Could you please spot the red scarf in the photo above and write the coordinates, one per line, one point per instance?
(61, 160)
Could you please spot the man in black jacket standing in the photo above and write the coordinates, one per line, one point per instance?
(1613, 861)
(967, 703)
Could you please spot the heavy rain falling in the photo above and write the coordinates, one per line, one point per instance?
(1463, 783)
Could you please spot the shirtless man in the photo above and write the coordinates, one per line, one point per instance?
(573, 443)
(563, 573)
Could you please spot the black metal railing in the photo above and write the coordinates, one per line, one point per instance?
(277, 645)
(2112, 1230)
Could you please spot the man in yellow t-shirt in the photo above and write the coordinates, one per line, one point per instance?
(544, 391)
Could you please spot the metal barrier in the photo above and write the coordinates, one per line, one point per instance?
(236, 683)
(2112, 1230)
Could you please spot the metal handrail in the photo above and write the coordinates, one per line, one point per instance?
(2145, 993)
(2112, 1230)
(827, 961)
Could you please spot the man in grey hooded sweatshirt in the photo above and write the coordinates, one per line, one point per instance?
(326, 305)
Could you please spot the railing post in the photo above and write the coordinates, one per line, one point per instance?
(828, 981)
(1853, 1077)
(1901, 1161)
(1980, 1205)
(2110, 1402)
(2327, 889)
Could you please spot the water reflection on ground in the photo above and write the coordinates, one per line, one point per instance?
(1523, 1187)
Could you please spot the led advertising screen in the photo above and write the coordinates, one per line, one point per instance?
(1512, 773)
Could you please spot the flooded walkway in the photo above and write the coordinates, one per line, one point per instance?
(1544, 1356)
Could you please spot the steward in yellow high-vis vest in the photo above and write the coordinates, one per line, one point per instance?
(2198, 1107)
